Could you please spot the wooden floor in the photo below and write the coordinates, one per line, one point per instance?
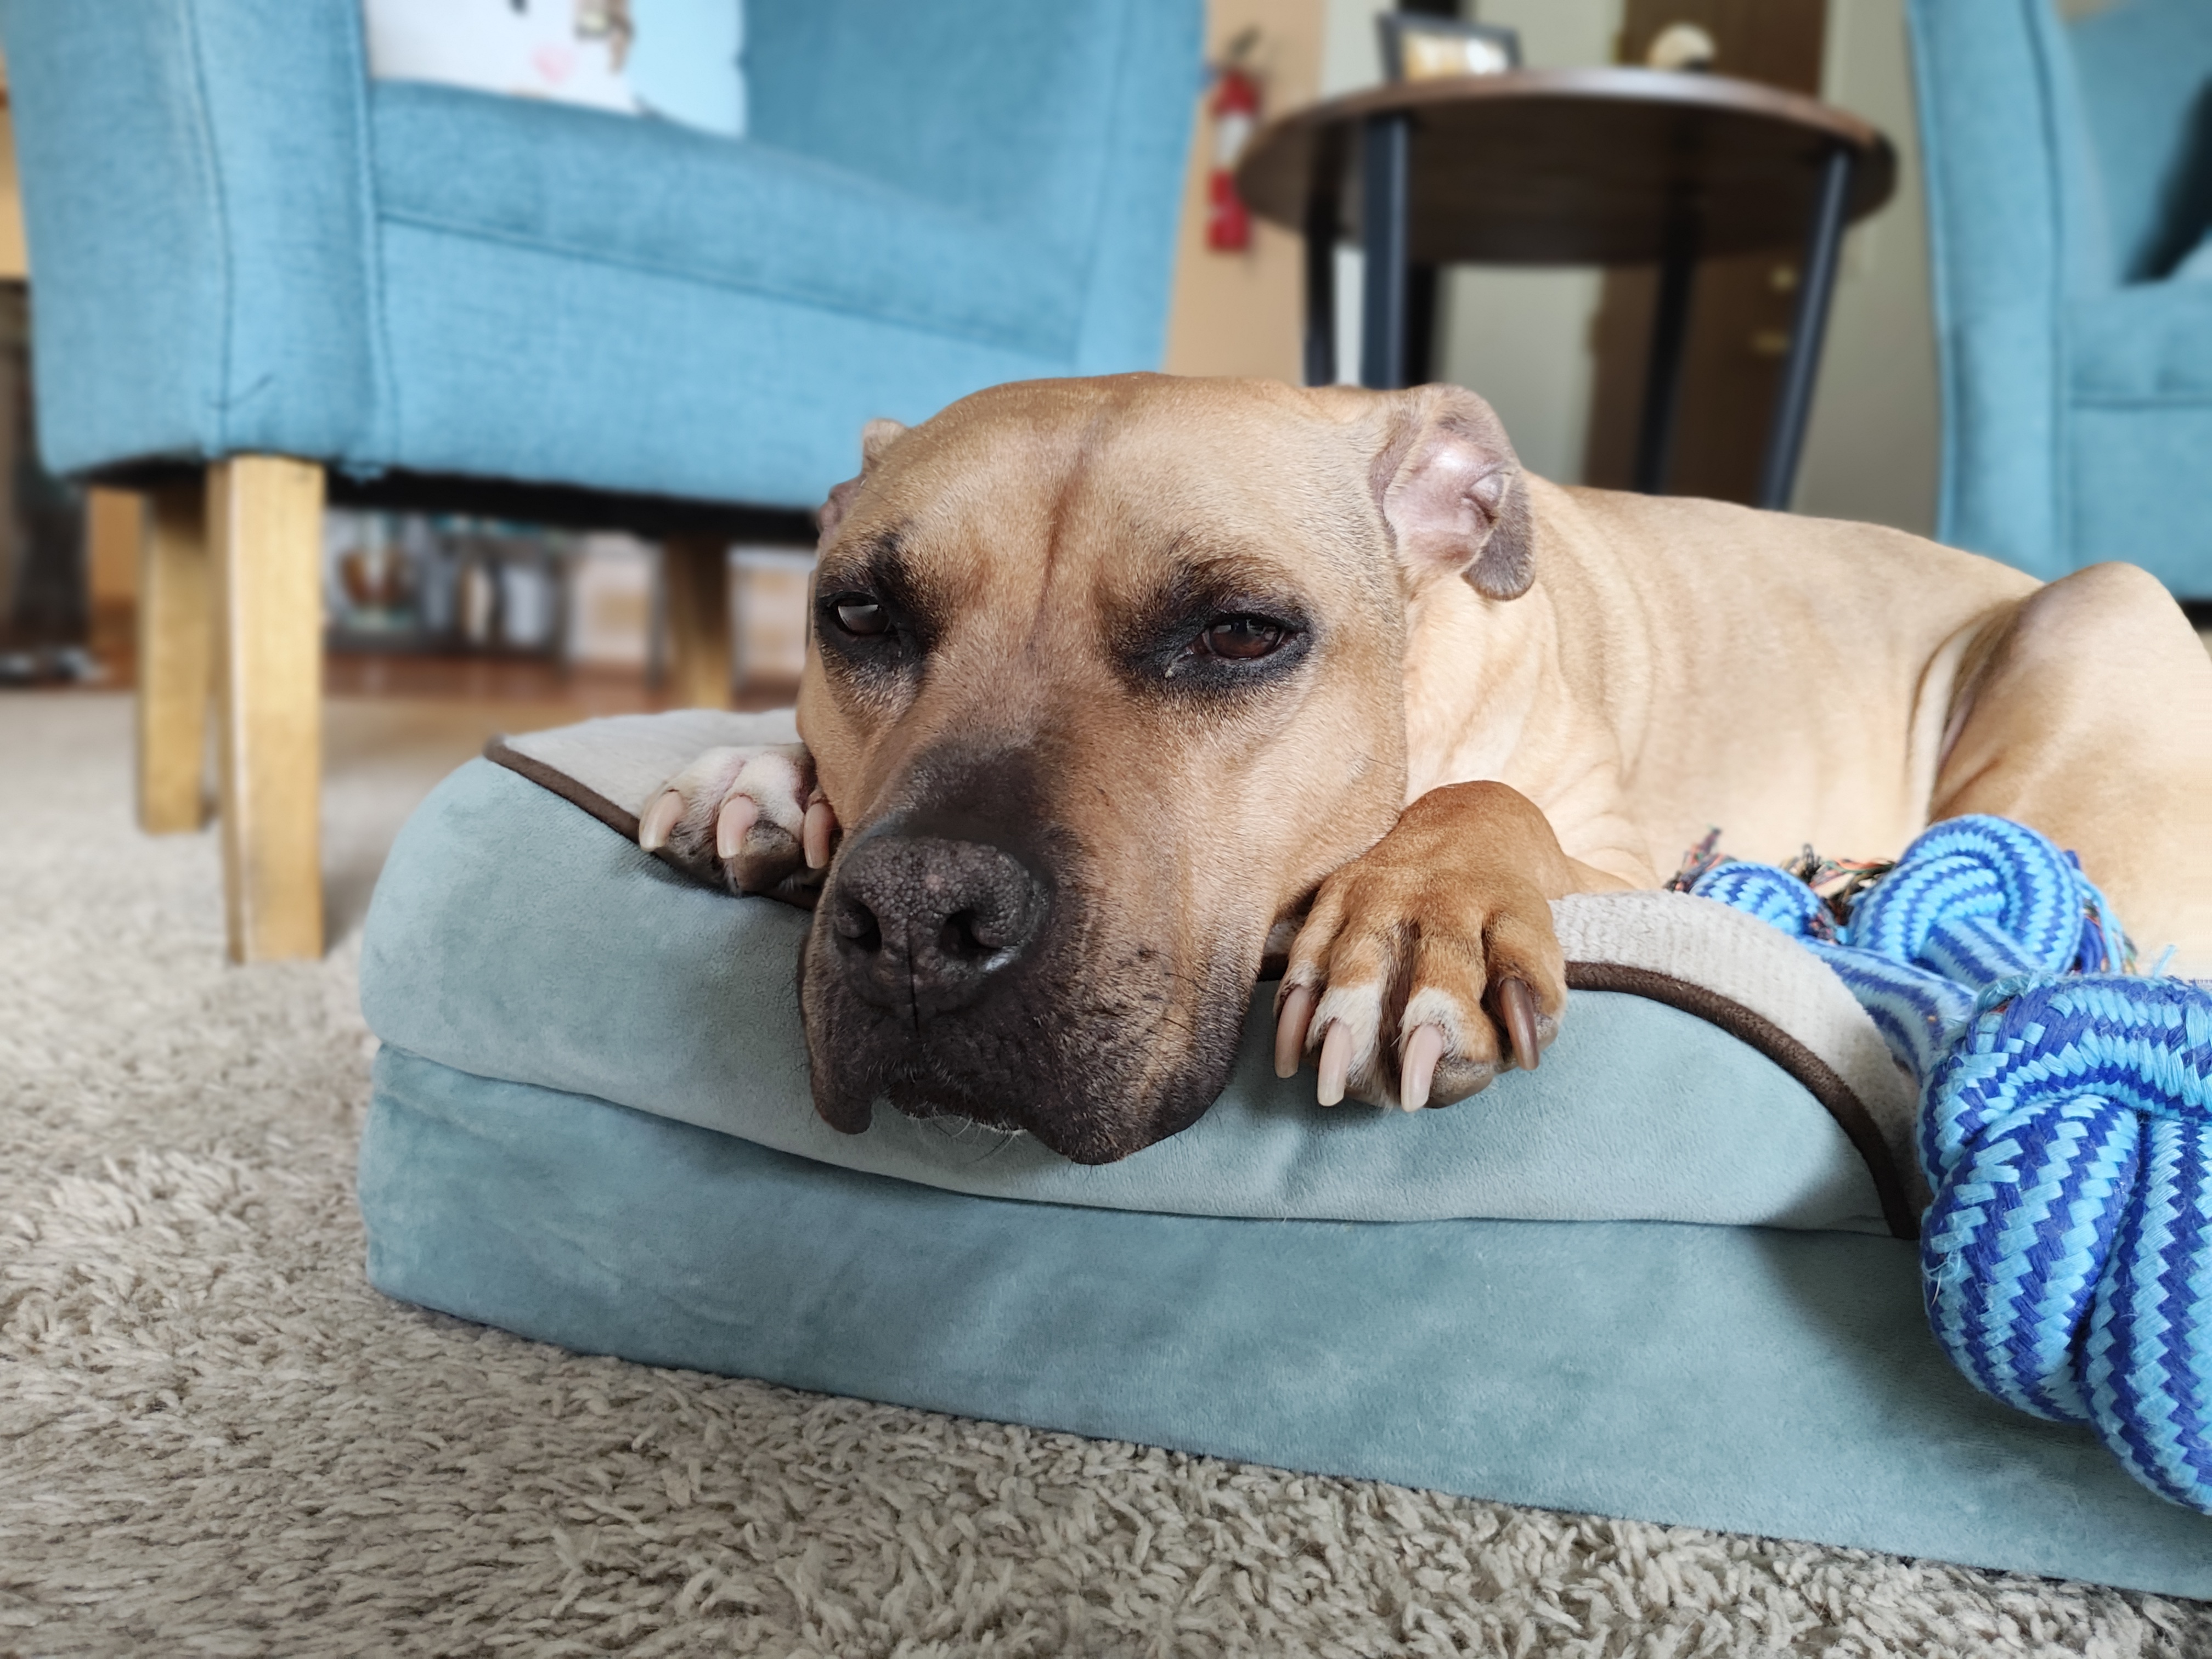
(542, 685)
(496, 679)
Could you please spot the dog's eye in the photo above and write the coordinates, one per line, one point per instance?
(859, 614)
(1241, 639)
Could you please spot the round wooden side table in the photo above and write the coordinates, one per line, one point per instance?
(1609, 167)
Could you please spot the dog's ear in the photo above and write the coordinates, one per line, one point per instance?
(876, 437)
(1450, 487)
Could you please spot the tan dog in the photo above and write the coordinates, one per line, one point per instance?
(1109, 678)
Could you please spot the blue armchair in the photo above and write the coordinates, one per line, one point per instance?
(259, 275)
(2069, 175)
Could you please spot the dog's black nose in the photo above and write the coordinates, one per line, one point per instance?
(922, 923)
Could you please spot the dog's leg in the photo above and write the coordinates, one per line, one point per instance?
(1403, 973)
(2091, 719)
(753, 814)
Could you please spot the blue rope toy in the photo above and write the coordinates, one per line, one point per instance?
(2065, 1130)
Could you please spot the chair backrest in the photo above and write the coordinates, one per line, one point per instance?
(998, 106)
(2144, 68)
(200, 199)
(2015, 226)
(1069, 119)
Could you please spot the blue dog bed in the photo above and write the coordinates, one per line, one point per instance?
(1668, 1275)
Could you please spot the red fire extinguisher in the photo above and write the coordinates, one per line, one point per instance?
(1235, 108)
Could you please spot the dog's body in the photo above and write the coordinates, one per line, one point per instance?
(1679, 664)
(1107, 678)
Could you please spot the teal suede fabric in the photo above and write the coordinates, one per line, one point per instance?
(766, 406)
(243, 247)
(2148, 346)
(837, 83)
(1751, 1379)
(2134, 452)
(586, 186)
(1068, 121)
(194, 196)
(2066, 174)
(512, 936)
(2145, 67)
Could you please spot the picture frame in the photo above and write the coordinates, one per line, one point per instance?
(1419, 47)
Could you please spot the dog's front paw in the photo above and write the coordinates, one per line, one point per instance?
(1429, 964)
(751, 815)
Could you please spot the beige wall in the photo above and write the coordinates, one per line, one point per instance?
(1243, 313)
(1874, 445)
(13, 263)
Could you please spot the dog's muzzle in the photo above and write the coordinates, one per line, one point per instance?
(961, 965)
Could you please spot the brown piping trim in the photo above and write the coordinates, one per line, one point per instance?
(576, 794)
(1820, 1079)
(624, 823)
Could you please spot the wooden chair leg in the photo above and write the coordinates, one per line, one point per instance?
(264, 524)
(115, 532)
(696, 571)
(176, 650)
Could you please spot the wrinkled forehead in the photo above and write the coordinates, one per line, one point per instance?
(1107, 496)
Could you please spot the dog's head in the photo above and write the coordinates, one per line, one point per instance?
(1103, 677)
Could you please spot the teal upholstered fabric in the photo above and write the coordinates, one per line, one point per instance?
(1746, 1378)
(608, 188)
(766, 406)
(242, 245)
(2068, 172)
(2146, 346)
(194, 194)
(2145, 68)
(513, 937)
(1069, 121)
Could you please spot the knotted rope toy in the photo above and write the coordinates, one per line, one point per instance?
(2065, 1130)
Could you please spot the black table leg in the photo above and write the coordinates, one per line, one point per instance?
(1320, 285)
(1663, 373)
(1385, 168)
(1424, 289)
(1816, 287)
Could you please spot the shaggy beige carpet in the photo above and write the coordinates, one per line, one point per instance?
(215, 1439)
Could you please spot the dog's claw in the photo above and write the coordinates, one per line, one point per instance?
(659, 819)
(1335, 1064)
(1291, 1029)
(1423, 1050)
(738, 815)
(820, 824)
(1516, 1012)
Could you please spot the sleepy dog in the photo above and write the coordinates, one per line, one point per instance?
(1109, 681)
